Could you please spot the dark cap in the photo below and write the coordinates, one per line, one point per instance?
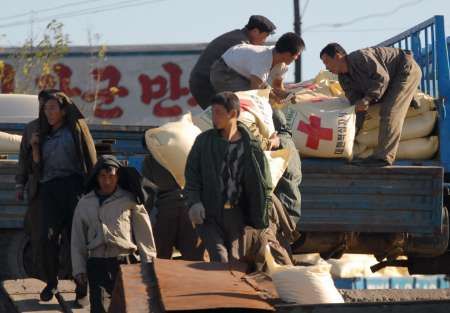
(262, 23)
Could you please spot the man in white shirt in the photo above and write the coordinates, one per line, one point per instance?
(246, 67)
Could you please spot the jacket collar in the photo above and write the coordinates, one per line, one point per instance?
(119, 193)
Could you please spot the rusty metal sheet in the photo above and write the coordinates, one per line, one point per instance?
(135, 291)
(186, 285)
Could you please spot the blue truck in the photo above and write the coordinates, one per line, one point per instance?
(389, 212)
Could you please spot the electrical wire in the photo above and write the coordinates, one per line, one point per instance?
(305, 6)
(48, 9)
(365, 17)
(99, 9)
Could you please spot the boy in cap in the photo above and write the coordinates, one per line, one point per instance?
(109, 224)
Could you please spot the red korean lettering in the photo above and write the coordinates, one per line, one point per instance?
(7, 78)
(161, 90)
(61, 81)
(106, 96)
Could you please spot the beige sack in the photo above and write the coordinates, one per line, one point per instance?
(372, 119)
(419, 148)
(278, 162)
(413, 149)
(323, 129)
(255, 103)
(9, 143)
(303, 284)
(413, 127)
(170, 145)
(255, 109)
(358, 265)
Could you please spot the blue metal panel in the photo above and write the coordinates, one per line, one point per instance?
(338, 198)
(407, 282)
(429, 46)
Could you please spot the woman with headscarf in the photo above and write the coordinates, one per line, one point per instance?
(63, 152)
(27, 183)
(110, 223)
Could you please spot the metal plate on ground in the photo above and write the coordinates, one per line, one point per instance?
(185, 285)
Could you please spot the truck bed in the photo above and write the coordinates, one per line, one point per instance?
(338, 198)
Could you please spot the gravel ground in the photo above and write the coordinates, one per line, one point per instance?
(350, 296)
(390, 295)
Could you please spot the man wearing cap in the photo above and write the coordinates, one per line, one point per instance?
(255, 32)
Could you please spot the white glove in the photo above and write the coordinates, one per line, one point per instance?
(197, 213)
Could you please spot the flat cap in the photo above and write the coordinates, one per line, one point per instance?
(262, 23)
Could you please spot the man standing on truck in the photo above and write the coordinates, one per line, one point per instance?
(384, 75)
(228, 185)
(255, 32)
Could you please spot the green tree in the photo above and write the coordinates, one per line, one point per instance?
(34, 61)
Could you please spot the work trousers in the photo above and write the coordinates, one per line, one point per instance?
(230, 240)
(59, 198)
(223, 236)
(288, 188)
(202, 90)
(393, 108)
(224, 78)
(173, 228)
(102, 274)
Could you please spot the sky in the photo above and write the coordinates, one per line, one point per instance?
(353, 23)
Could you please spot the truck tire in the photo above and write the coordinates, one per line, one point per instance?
(15, 254)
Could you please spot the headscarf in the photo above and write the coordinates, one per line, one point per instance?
(129, 178)
(73, 114)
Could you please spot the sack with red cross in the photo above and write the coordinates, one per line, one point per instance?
(323, 128)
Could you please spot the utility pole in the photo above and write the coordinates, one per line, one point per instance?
(298, 31)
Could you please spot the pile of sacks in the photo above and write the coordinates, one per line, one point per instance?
(170, 145)
(415, 143)
(353, 265)
(9, 143)
(323, 123)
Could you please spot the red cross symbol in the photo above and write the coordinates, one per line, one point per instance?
(315, 132)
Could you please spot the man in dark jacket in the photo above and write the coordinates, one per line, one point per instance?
(228, 182)
(255, 32)
(384, 75)
(172, 226)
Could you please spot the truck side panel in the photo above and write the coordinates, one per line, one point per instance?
(375, 200)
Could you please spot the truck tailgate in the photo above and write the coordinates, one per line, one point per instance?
(338, 197)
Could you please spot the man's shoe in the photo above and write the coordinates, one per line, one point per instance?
(81, 298)
(48, 292)
(370, 162)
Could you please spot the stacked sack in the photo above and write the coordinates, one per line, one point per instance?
(415, 142)
(324, 98)
(321, 118)
(171, 143)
